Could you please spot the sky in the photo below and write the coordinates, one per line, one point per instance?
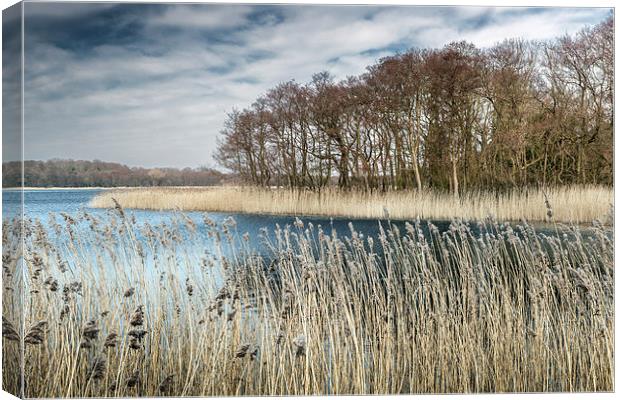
(150, 84)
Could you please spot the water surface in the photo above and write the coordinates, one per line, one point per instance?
(44, 204)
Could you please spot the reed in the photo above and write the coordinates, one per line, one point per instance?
(143, 310)
(575, 204)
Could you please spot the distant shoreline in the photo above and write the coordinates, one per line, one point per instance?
(102, 187)
(14, 189)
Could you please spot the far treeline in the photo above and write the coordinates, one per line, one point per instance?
(72, 173)
(458, 118)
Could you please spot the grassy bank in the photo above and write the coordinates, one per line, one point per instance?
(569, 204)
(111, 315)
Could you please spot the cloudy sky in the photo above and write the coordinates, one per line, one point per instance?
(150, 85)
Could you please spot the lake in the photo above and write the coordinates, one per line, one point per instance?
(252, 234)
(38, 204)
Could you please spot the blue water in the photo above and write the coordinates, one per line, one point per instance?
(38, 204)
(48, 206)
(45, 204)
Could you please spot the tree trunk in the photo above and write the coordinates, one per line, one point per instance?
(416, 172)
(455, 179)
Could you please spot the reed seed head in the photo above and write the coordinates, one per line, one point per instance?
(137, 333)
(137, 318)
(135, 344)
(35, 333)
(166, 384)
(97, 369)
(90, 331)
(189, 287)
(8, 330)
(111, 340)
(133, 380)
(242, 350)
(118, 208)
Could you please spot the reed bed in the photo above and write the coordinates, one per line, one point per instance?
(576, 204)
(114, 308)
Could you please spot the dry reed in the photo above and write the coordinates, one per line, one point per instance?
(503, 309)
(577, 204)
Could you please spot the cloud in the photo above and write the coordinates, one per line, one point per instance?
(543, 25)
(151, 84)
(64, 10)
(11, 84)
(212, 17)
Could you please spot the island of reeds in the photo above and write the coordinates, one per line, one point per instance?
(570, 204)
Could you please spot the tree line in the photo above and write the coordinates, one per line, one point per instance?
(519, 113)
(77, 173)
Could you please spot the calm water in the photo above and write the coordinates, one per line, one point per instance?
(45, 204)
(41, 204)
(38, 204)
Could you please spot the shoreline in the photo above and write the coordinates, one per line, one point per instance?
(353, 219)
(32, 189)
(37, 188)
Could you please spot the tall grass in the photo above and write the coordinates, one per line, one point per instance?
(113, 308)
(570, 203)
